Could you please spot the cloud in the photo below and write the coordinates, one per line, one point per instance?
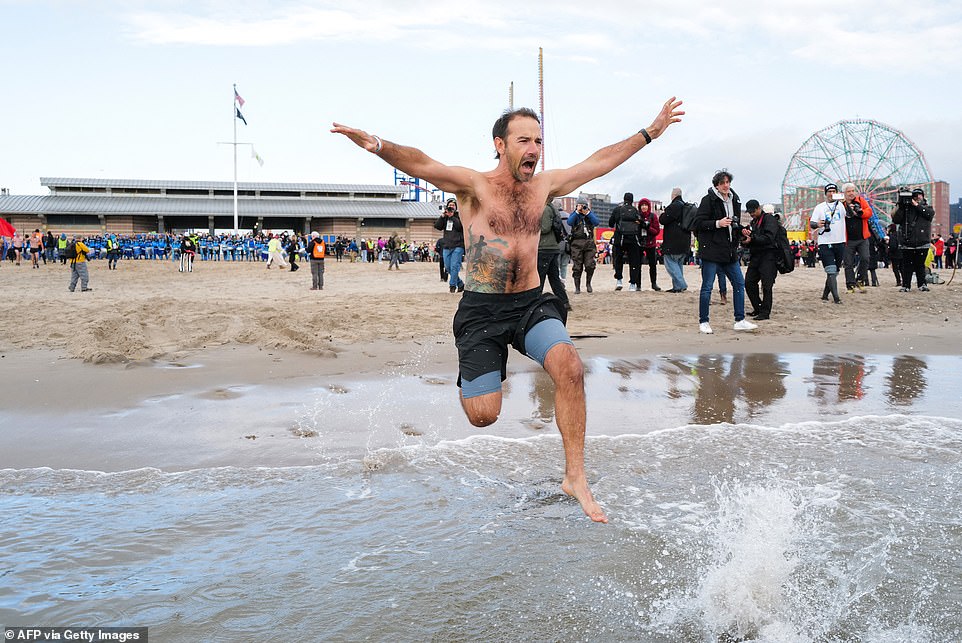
(858, 34)
(428, 24)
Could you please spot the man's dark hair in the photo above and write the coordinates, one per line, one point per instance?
(500, 129)
(720, 176)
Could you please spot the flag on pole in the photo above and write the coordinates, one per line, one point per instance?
(237, 97)
(239, 115)
(6, 229)
(256, 156)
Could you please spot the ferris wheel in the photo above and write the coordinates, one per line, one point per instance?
(877, 158)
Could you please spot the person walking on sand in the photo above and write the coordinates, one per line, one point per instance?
(36, 248)
(274, 253)
(77, 252)
(502, 304)
(394, 248)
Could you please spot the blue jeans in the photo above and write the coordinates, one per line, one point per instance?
(674, 264)
(452, 263)
(709, 269)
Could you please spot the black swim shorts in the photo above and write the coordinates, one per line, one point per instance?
(487, 323)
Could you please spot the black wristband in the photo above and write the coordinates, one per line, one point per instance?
(645, 133)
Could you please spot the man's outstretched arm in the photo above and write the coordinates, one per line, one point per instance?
(412, 161)
(608, 158)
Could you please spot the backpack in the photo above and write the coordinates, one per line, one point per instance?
(784, 255)
(71, 251)
(629, 223)
(556, 227)
(688, 212)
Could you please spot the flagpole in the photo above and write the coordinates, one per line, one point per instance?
(233, 114)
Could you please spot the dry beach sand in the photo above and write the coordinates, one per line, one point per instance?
(147, 310)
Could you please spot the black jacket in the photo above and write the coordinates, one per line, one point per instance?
(714, 243)
(764, 237)
(915, 225)
(453, 234)
(764, 232)
(675, 240)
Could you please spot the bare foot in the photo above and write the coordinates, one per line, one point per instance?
(579, 491)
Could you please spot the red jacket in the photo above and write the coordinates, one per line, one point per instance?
(654, 228)
(866, 215)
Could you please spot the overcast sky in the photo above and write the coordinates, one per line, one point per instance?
(143, 89)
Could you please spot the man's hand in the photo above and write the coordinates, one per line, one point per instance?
(360, 137)
(669, 114)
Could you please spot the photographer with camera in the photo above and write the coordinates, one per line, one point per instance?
(762, 243)
(718, 228)
(914, 218)
(583, 251)
(857, 234)
(828, 219)
(452, 242)
(626, 243)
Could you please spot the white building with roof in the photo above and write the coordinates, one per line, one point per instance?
(131, 206)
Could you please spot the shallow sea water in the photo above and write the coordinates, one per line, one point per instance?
(754, 497)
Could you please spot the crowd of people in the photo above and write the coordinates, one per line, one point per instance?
(640, 237)
(38, 247)
(843, 240)
(712, 235)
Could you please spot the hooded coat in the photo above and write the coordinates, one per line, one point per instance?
(650, 222)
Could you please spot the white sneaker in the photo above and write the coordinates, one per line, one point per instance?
(632, 287)
(745, 325)
(618, 285)
(705, 328)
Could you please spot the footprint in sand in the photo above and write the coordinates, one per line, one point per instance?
(337, 388)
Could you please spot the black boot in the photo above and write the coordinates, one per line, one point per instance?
(588, 275)
(833, 286)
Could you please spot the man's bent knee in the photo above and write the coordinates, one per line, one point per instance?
(482, 410)
(481, 398)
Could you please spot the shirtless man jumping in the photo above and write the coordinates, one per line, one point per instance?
(502, 303)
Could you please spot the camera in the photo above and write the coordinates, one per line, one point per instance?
(828, 225)
(905, 197)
